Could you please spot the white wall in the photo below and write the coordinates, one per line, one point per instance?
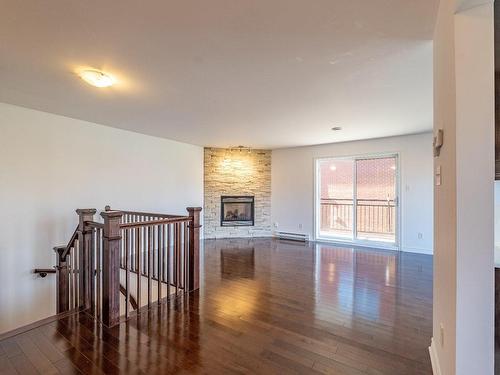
(497, 223)
(292, 183)
(475, 153)
(444, 312)
(51, 165)
(463, 322)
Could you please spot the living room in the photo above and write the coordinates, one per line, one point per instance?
(303, 172)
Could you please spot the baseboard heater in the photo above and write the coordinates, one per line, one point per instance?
(292, 236)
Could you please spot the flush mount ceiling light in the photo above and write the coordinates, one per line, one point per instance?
(333, 167)
(96, 78)
(336, 128)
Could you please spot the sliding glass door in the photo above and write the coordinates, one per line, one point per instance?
(337, 197)
(357, 199)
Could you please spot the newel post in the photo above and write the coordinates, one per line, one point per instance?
(111, 267)
(62, 279)
(194, 248)
(84, 266)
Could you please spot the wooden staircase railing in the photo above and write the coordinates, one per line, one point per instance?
(158, 253)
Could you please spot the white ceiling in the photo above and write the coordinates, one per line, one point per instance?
(268, 74)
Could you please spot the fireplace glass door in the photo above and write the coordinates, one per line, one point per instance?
(237, 211)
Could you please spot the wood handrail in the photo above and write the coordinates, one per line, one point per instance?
(143, 213)
(94, 224)
(70, 243)
(133, 302)
(44, 271)
(154, 278)
(139, 224)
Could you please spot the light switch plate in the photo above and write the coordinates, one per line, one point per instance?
(437, 176)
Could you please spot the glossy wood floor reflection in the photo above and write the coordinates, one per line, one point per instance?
(265, 307)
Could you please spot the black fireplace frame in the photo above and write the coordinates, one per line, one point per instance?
(237, 223)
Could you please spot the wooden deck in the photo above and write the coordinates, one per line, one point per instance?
(265, 307)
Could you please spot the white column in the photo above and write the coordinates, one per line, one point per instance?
(463, 334)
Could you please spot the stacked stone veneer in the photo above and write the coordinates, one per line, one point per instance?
(237, 173)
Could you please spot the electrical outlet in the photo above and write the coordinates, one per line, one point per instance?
(300, 226)
(276, 225)
(441, 334)
(420, 236)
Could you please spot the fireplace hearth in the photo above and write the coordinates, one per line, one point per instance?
(237, 211)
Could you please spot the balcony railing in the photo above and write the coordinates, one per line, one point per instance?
(372, 216)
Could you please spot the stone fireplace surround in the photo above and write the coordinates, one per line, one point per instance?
(237, 173)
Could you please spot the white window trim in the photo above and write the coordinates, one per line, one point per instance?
(361, 243)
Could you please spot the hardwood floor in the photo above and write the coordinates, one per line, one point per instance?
(265, 307)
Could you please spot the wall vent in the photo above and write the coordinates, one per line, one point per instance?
(292, 236)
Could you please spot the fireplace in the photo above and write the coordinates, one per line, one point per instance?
(237, 211)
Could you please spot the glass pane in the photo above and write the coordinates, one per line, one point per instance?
(336, 198)
(376, 193)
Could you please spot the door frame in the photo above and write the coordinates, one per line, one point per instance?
(363, 243)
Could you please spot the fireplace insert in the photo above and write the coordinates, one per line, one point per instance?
(237, 211)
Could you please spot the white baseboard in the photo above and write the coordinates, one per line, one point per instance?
(417, 250)
(246, 237)
(436, 370)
